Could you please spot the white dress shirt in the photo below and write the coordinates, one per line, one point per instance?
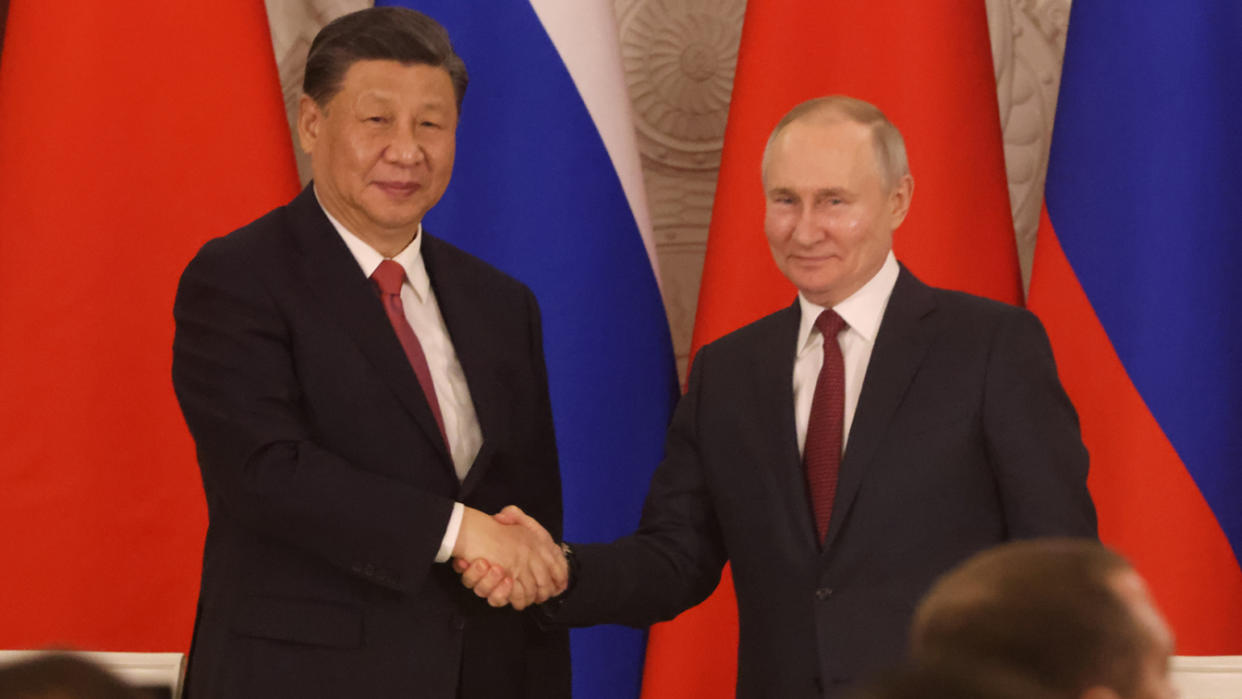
(461, 424)
(862, 313)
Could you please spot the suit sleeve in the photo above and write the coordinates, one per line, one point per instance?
(236, 379)
(674, 560)
(1033, 437)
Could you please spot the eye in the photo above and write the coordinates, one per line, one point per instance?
(376, 119)
(429, 124)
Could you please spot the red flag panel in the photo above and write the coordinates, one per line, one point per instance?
(130, 133)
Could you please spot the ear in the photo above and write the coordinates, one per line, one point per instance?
(310, 121)
(899, 200)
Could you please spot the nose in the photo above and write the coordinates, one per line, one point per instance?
(807, 230)
(403, 148)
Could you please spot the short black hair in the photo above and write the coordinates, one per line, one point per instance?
(382, 34)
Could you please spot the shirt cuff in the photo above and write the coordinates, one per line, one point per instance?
(450, 534)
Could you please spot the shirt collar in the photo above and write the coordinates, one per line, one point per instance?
(862, 311)
(368, 258)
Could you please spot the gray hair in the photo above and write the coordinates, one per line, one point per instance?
(890, 147)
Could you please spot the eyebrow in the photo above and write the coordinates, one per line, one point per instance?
(818, 194)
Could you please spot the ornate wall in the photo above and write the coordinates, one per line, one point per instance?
(294, 24)
(679, 57)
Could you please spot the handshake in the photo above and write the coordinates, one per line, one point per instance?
(509, 558)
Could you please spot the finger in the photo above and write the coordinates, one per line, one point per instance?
(475, 572)
(489, 582)
(560, 574)
(534, 527)
(543, 584)
(499, 597)
(521, 597)
(460, 565)
(510, 515)
(558, 567)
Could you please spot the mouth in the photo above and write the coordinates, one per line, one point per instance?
(811, 259)
(398, 189)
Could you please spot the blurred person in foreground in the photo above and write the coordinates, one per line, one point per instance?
(363, 396)
(950, 682)
(1068, 614)
(63, 676)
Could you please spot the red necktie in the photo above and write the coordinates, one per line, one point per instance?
(388, 278)
(822, 452)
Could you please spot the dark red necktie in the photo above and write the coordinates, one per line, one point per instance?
(388, 278)
(822, 452)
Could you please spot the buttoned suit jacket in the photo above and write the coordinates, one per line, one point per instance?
(328, 484)
(962, 438)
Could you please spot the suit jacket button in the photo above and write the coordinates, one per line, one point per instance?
(823, 593)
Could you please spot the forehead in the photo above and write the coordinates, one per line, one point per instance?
(391, 80)
(822, 148)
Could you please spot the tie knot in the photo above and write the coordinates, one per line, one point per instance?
(829, 323)
(389, 277)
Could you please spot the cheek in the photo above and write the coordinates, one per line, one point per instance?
(777, 223)
(363, 149)
(849, 227)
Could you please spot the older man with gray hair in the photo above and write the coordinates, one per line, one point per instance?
(843, 452)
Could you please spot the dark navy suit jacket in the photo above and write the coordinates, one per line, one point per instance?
(328, 485)
(962, 438)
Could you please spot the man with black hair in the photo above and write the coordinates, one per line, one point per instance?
(363, 396)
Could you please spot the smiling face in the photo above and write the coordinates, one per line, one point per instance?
(382, 148)
(830, 216)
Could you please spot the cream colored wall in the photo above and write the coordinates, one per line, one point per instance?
(679, 57)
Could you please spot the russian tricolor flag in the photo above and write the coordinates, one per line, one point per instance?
(548, 187)
(1136, 277)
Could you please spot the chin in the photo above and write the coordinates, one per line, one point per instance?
(396, 219)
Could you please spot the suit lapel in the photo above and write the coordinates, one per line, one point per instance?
(900, 346)
(344, 293)
(773, 371)
(473, 341)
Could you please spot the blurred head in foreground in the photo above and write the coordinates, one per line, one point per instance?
(943, 681)
(61, 676)
(1067, 613)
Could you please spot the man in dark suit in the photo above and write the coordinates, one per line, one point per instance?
(840, 477)
(361, 394)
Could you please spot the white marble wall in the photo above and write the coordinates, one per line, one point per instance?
(679, 57)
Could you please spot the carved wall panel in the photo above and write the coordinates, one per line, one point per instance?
(679, 58)
(294, 23)
(1028, 42)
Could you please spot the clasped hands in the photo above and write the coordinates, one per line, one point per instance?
(509, 558)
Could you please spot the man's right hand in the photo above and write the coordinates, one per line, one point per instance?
(509, 558)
